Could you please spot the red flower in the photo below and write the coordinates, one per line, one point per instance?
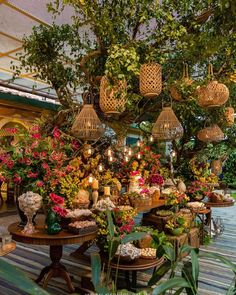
(43, 154)
(56, 132)
(10, 164)
(28, 161)
(39, 183)
(45, 165)
(35, 154)
(134, 173)
(36, 135)
(34, 129)
(56, 199)
(60, 211)
(32, 174)
(12, 130)
(17, 179)
(75, 144)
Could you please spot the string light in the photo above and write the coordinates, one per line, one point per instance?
(151, 138)
(129, 152)
(100, 168)
(90, 179)
(126, 159)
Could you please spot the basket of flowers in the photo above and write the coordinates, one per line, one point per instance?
(176, 225)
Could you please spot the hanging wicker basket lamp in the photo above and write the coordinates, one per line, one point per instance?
(229, 116)
(211, 134)
(216, 167)
(87, 125)
(175, 93)
(150, 80)
(167, 126)
(214, 94)
(112, 98)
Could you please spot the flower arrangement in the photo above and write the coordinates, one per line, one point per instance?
(156, 179)
(176, 224)
(57, 205)
(197, 190)
(176, 198)
(202, 171)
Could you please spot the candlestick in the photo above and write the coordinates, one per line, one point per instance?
(107, 190)
(95, 197)
(95, 184)
(109, 152)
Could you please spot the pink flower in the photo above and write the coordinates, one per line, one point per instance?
(60, 211)
(34, 144)
(17, 179)
(69, 168)
(34, 129)
(57, 156)
(36, 135)
(35, 154)
(56, 199)
(141, 181)
(45, 165)
(145, 191)
(75, 144)
(39, 183)
(32, 174)
(56, 132)
(12, 130)
(43, 154)
(28, 161)
(10, 164)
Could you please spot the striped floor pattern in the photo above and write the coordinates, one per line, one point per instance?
(215, 277)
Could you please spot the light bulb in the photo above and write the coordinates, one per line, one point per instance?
(173, 153)
(138, 143)
(100, 168)
(89, 151)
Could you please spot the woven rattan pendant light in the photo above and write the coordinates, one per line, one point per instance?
(87, 125)
(229, 116)
(167, 126)
(150, 80)
(211, 134)
(112, 98)
(214, 94)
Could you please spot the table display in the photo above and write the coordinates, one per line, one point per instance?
(55, 242)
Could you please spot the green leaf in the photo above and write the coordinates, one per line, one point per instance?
(112, 247)
(133, 237)
(110, 224)
(187, 274)
(16, 277)
(169, 252)
(96, 269)
(170, 284)
(195, 265)
(159, 273)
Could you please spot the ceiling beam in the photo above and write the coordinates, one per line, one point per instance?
(10, 37)
(9, 52)
(14, 7)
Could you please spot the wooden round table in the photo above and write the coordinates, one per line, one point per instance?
(133, 267)
(219, 204)
(56, 242)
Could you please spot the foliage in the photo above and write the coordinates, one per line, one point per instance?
(229, 170)
(198, 190)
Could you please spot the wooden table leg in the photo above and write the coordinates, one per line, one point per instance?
(78, 253)
(134, 280)
(55, 269)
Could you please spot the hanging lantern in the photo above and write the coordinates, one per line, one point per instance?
(175, 93)
(229, 116)
(150, 80)
(112, 98)
(167, 126)
(87, 125)
(211, 134)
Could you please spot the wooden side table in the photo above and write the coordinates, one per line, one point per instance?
(133, 267)
(55, 242)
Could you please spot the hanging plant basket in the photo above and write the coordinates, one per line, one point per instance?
(229, 116)
(150, 80)
(112, 98)
(167, 126)
(211, 134)
(185, 81)
(87, 125)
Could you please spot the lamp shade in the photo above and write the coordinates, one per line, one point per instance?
(211, 134)
(167, 126)
(87, 125)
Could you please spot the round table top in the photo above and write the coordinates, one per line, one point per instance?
(42, 238)
(219, 204)
(138, 264)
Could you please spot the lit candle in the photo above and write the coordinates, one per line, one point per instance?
(95, 184)
(129, 152)
(125, 149)
(110, 159)
(89, 151)
(173, 153)
(100, 168)
(138, 143)
(90, 179)
(151, 139)
(109, 152)
(107, 191)
(139, 156)
(126, 159)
